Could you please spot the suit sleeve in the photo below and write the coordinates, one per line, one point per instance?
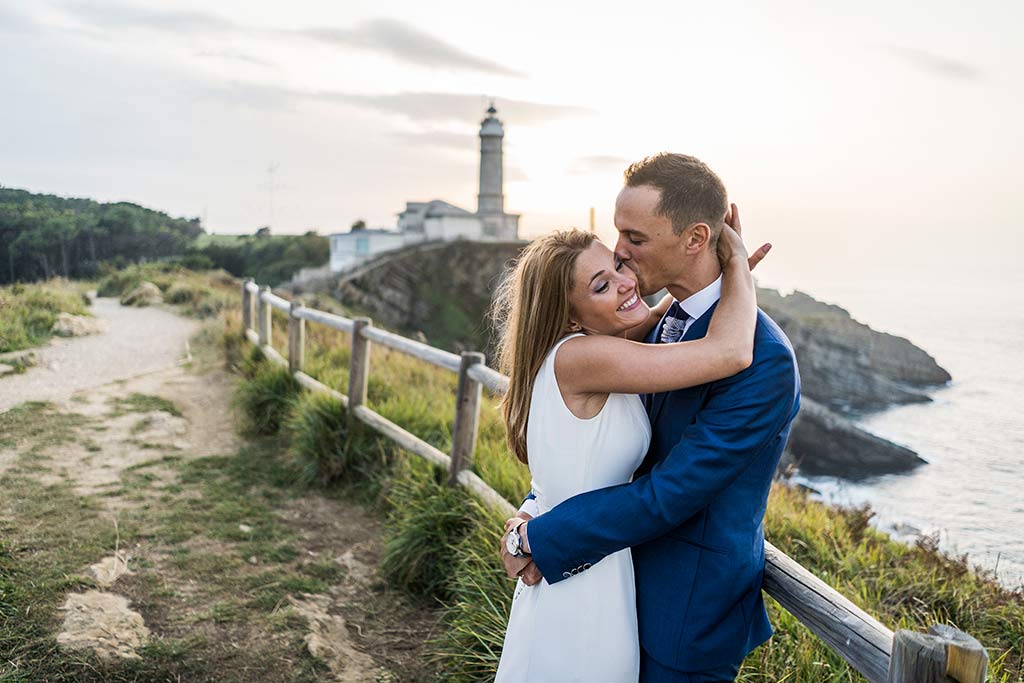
(741, 417)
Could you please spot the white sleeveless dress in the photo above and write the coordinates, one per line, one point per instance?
(583, 628)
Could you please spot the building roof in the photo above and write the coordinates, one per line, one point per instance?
(433, 209)
(442, 208)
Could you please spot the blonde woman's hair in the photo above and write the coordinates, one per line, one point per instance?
(531, 313)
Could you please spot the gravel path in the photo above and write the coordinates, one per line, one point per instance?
(137, 341)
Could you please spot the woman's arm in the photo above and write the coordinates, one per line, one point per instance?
(639, 332)
(598, 364)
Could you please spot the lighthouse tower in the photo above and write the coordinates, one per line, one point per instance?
(491, 200)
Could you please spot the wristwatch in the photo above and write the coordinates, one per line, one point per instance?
(514, 542)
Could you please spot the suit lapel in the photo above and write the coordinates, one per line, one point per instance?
(697, 330)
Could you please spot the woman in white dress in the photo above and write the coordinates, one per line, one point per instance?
(571, 313)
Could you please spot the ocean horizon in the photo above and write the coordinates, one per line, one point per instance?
(969, 494)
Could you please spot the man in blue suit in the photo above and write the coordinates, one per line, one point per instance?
(694, 512)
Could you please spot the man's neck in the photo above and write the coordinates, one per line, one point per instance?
(695, 279)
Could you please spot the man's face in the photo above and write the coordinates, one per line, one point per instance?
(647, 244)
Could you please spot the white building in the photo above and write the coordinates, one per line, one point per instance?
(437, 219)
(349, 249)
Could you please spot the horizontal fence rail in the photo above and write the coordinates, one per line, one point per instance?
(944, 654)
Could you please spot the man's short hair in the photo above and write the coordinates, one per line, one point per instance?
(690, 191)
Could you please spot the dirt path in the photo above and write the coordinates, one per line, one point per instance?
(137, 340)
(200, 558)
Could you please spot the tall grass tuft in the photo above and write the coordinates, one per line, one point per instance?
(328, 447)
(426, 517)
(266, 397)
(480, 597)
(27, 312)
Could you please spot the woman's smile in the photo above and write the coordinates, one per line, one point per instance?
(632, 302)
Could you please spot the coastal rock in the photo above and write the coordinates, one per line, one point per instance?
(846, 365)
(823, 442)
(146, 294)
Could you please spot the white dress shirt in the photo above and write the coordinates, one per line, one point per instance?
(698, 304)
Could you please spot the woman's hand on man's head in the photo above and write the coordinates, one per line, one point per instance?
(730, 242)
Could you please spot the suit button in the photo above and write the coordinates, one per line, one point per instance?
(587, 566)
(566, 575)
(575, 571)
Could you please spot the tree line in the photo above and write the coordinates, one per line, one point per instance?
(43, 236)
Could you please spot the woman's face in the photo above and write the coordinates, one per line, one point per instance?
(604, 297)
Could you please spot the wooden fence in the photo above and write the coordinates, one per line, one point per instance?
(944, 654)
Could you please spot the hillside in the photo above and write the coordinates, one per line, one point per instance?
(443, 292)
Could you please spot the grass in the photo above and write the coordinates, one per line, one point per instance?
(327, 446)
(27, 312)
(266, 397)
(425, 515)
(187, 551)
(33, 427)
(142, 403)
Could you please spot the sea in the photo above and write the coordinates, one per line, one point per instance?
(971, 493)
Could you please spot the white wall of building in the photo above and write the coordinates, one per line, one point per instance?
(351, 248)
(452, 227)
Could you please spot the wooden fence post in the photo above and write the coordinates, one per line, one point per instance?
(467, 417)
(296, 339)
(263, 317)
(246, 305)
(941, 655)
(359, 364)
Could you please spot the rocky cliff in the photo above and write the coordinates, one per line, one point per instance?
(442, 291)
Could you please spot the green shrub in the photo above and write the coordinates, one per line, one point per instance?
(266, 397)
(327, 447)
(426, 518)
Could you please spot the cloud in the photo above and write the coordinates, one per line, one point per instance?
(234, 56)
(458, 142)
(936, 64)
(598, 164)
(407, 44)
(454, 107)
(422, 108)
(15, 22)
(120, 16)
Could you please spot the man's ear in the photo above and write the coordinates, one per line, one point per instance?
(698, 236)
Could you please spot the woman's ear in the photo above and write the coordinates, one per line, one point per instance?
(575, 327)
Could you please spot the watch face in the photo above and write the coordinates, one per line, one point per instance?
(512, 543)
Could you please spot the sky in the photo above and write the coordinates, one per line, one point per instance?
(876, 139)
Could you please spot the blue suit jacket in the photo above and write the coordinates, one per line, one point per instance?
(694, 511)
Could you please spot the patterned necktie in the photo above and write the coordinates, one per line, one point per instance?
(674, 325)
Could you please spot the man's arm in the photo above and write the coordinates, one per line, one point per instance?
(742, 416)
